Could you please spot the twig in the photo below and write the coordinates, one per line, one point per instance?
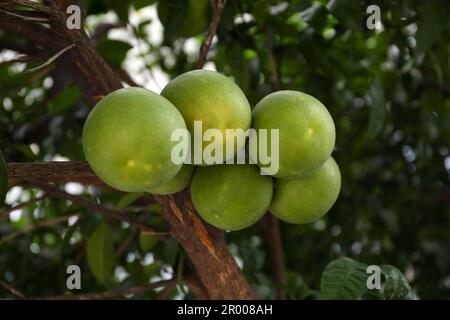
(34, 19)
(272, 62)
(217, 6)
(196, 286)
(50, 60)
(4, 214)
(112, 214)
(112, 293)
(165, 293)
(30, 228)
(430, 83)
(13, 290)
(19, 59)
(271, 230)
(126, 243)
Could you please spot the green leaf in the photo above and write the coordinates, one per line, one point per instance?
(395, 286)
(128, 199)
(172, 14)
(139, 4)
(171, 251)
(377, 111)
(64, 100)
(433, 20)
(114, 51)
(3, 178)
(100, 253)
(344, 278)
(147, 242)
(349, 12)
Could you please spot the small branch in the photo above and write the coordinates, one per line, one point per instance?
(194, 283)
(26, 18)
(51, 60)
(4, 214)
(430, 83)
(30, 228)
(217, 6)
(19, 59)
(126, 243)
(13, 290)
(112, 293)
(165, 293)
(272, 62)
(112, 214)
(271, 230)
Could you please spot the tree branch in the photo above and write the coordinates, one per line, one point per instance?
(272, 62)
(45, 223)
(13, 290)
(4, 214)
(271, 231)
(217, 6)
(110, 213)
(110, 294)
(51, 60)
(426, 82)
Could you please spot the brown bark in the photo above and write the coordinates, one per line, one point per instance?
(216, 267)
(54, 172)
(205, 245)
(270, 228)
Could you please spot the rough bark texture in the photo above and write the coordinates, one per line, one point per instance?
(219, 272)
(205, 245)
(52, 172)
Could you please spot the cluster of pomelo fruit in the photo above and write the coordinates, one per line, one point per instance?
(127, 140)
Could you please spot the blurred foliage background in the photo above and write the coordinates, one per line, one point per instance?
(386, 89)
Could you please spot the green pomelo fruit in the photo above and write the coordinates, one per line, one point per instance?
(213, 99)
(177, 183)
(231, 197)
(127, 139)
(306, 131)
(307, 199)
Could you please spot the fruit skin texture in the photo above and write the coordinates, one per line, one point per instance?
(231, 197)
(306, 131)
(307, 199)
(127, 139)
(212, 98)
(177, 183)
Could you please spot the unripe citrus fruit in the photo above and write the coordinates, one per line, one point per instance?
(177, 183)
(231, 197)
(306, 131)
(213, 99)
(307, 199)
(127, 139)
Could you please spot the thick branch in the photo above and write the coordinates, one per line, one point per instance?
(215, 266)
(52, 172)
